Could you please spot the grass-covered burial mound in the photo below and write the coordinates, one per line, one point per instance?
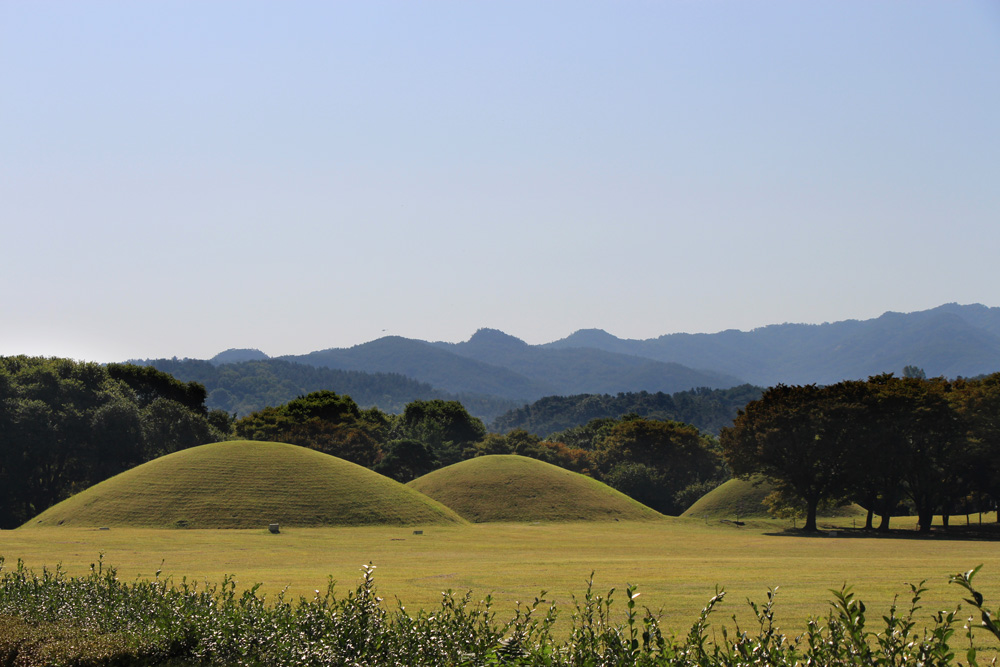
(744, 499)
(246, 484)
(515, 488)
(736, 498)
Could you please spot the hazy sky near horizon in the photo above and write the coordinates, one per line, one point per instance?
(178, 178)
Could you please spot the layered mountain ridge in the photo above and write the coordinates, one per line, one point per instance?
(493, 371)
(950, 340)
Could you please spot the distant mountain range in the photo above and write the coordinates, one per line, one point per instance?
(497, 370)
(495, 364)
(951, 340)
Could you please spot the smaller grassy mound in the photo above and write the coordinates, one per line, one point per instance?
(516, 488)
(736, 498)
(245, 484)
(744, 499)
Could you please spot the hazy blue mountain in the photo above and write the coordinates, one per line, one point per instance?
(584, 370)
(493, 372)
(236, 355)
(429, 363)
(949, 340)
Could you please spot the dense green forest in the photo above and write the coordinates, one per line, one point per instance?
(708, 409)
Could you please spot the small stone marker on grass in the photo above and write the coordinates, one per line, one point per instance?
(273, 528)
(418, 532)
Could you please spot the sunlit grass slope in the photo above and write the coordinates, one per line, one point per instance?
(245, 484)
(744, 499)
(515, 488)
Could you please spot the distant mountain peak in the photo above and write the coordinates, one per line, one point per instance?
(593, 332)
(588, 337)
(495, 337)
(235, 355)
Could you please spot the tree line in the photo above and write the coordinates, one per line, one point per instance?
(932, 445)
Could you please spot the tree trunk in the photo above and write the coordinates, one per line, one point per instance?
(870, 503)
(925, 518)
(810, 524)
(887, 507)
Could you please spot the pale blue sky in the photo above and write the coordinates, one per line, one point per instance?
(177, 178)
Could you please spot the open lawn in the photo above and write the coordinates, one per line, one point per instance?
(677, 563)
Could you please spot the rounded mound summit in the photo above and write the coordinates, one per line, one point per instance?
(516, 488)
(246, 484)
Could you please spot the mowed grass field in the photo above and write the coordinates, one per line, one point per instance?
(677, 563)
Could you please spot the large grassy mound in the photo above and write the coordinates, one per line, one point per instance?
(246, 484)
(744, 499)
(515, 488)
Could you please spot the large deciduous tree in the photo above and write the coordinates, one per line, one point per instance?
(978, 405)
(799, 438)
(935, 447)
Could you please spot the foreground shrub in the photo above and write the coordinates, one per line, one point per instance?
(53, 619)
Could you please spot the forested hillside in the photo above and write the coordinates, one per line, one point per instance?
(708, 409)
(248, 386)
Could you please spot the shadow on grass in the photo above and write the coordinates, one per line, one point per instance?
(972, 532)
